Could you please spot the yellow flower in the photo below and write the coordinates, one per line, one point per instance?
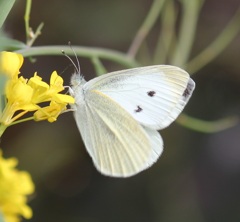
(15, 185)
(23, 95)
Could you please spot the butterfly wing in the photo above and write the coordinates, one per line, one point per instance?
(156, 146)
(117, 143)
(153, 95)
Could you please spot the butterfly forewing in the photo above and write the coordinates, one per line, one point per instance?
(153, 95)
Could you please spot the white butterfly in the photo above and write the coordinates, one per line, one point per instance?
(118, 115)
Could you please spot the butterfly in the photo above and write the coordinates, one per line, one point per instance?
(119, 114)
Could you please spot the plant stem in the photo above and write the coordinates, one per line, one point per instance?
(22, 120)
(2, 129)
(188, 26)
(217, 46)
(99, 68)
(167, 34)
(27, 19)
(35, 35)
(146, 27)
(88, 52)
(207, 126)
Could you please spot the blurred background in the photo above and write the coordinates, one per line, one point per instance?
(196, 179)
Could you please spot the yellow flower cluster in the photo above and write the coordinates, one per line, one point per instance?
(23, 95)
(14, 186)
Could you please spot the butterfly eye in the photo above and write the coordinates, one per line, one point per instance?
(138, 110)
(151, 93)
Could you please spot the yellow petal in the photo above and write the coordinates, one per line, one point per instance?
(10, 63)
(56, 79)
(17, 91)
(50, 112)
(56, 82)
(36, 83)
(62, 98)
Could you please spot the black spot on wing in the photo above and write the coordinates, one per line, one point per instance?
(138, 110)
(151, 93)
(186, 93)
(189, 89)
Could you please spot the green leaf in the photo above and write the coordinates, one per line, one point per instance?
(10, 44)
(5, 7)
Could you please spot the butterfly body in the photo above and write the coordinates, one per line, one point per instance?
(118, 115)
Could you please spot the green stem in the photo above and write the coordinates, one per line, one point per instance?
(36, 34)
(88, 52)
(207, 126)
(99, 68)
(22, 120)
(146, 27)
(188, 26)
(167, 34)
(217, 46)
(2, 129)
(27, 19)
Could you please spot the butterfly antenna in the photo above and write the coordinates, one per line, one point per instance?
(75, 54)
(77, 67)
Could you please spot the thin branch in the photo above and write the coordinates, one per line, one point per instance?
(188, 27)
(87, 52)
(148, 23)
(35, 35)
(27, 20)
(207, 126)
(167, 34)
(99, 68)
(217, 46)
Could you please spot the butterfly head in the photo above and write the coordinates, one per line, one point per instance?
(77, 80)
